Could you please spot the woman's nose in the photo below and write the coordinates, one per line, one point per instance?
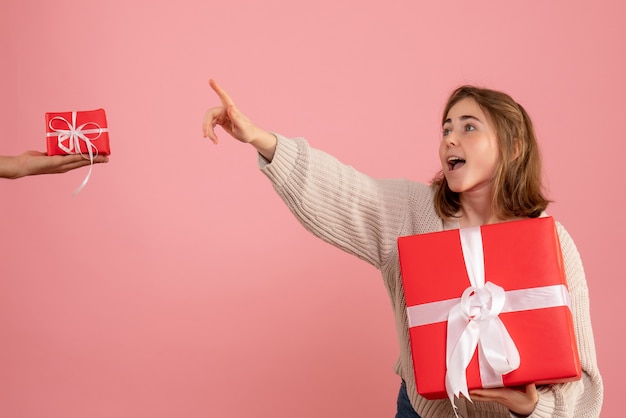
(450, 140)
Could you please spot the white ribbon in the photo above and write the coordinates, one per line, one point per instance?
(473, 320)
(73, 135)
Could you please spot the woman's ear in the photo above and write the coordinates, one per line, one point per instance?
(517, 149)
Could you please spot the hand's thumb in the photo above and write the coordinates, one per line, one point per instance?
(234, 116)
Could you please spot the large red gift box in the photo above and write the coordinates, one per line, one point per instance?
(82, 132)
(523, 258)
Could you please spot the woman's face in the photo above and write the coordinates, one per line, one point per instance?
(469, 149)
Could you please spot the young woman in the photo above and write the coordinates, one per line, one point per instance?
(491, 173)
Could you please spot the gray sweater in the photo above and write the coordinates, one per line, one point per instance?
(365, 216)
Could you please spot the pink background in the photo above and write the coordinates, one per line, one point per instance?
(176, 284)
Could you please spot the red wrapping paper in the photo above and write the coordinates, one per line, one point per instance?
(517, 255)
(92, 124)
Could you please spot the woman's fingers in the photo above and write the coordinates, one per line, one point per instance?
(518, 401)
(228, 116)
(212, 117)
(224, 97)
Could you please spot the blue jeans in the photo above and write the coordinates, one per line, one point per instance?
(405, 410)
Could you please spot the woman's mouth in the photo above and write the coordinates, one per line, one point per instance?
(454, 163)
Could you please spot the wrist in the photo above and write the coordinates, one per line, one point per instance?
(10, 167)
(265, 143)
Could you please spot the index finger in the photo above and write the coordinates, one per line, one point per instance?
(224, 97)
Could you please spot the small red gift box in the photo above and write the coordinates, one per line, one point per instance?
(488, 307)
(83, 132)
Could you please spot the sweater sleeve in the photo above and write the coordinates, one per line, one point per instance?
(348, 209)
(583, 398)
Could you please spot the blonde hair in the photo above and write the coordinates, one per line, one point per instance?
(518, 190)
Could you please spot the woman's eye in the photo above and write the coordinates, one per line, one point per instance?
(470, 128)
(445, 131)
